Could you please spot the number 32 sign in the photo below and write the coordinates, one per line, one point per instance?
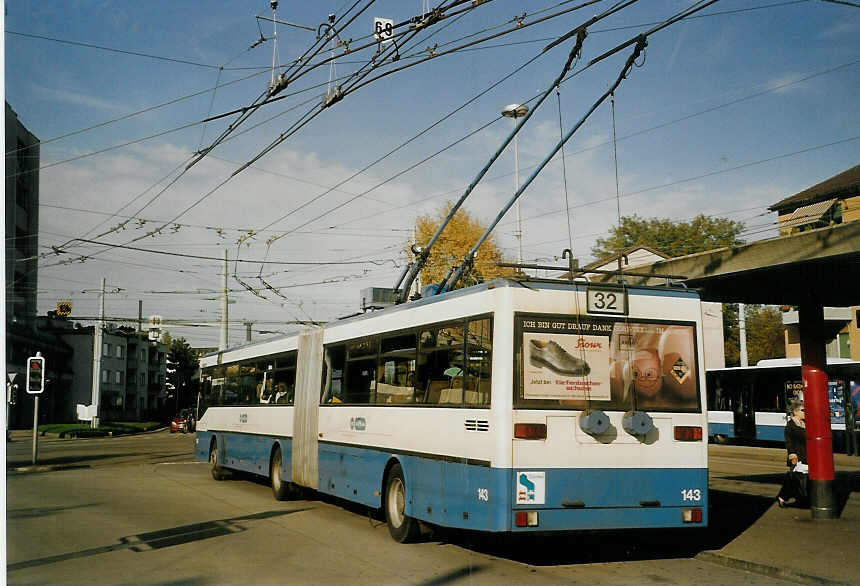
(606, 300)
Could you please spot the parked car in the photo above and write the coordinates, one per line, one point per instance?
(183, 422)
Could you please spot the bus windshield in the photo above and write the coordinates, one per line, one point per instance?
(576, 362)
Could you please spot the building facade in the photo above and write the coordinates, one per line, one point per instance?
(833, 201)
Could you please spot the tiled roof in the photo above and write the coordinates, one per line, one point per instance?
(845, 184)
(808, 214)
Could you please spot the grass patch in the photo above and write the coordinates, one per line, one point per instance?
(104, 429)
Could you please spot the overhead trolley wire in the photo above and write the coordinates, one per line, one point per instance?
(126, 52)
(640, 42)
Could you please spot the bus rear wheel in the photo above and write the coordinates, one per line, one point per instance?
(218, 473)
(280, 487)
(402, 528)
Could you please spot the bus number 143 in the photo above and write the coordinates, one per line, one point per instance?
(691, 494)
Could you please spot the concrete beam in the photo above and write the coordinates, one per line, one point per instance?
(821, 265)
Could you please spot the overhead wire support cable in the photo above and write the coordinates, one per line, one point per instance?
(271, 91)
(404, 283)
(584, 4)
(422, 256)
(436, 55)
(456, 274)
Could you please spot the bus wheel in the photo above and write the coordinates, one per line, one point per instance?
(402, 528)
(218, 473)
(280, 488)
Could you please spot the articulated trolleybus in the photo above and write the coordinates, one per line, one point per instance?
(503, 407)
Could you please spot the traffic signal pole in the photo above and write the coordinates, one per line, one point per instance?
(35, 387)
(35, 429)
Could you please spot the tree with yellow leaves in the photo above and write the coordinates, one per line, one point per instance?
(461, 234)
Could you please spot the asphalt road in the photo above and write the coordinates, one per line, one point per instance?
(139, 510)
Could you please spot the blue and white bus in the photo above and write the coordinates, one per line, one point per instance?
(750, 402)
(503, 407)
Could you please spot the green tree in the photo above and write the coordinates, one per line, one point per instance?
(456, 240)
(182, 366)
(671, 237)
(765, 333)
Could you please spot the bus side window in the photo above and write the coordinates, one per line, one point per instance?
(441, 368)
(359, 380)
(333, 371)
(396, 375)
(479, 360)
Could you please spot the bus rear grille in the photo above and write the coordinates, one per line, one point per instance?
(477, 425)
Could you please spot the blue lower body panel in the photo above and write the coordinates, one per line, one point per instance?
(463, 494)
(616, 498)
(726, 429)
(246, 452)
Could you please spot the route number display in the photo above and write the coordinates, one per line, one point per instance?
(383, 29)
(606, 300)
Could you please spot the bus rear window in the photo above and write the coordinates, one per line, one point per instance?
(577, 362)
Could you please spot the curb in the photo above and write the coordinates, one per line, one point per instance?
(718, 558)
(57, 435)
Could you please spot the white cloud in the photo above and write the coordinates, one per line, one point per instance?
(67, 96)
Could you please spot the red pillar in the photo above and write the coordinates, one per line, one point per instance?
(819, 441)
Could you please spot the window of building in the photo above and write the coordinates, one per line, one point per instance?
(117, 377)
(118, 351)
(142, 379)
(105, 376)
(105, 349)
(143, 355)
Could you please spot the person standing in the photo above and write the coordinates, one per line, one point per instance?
(794, 486)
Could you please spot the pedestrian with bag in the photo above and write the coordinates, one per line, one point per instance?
(796, 479)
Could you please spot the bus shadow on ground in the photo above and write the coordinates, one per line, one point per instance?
(164, 538)
(844, 483)
(730, 515)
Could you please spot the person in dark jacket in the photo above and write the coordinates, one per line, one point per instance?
(794, 486)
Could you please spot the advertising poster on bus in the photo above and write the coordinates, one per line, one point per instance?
(575, 359)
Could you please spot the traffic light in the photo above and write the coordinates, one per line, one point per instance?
(35, 375)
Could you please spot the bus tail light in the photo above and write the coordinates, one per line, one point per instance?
(691, 515)
(531, 431)
(526, 518)
(688, 433)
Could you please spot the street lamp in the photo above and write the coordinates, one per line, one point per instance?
(517, 111)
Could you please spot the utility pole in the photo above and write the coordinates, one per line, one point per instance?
(98, 331)
(248, 325)
(742, 333)
(222, 344)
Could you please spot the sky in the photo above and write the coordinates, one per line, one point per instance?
(724, 114)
